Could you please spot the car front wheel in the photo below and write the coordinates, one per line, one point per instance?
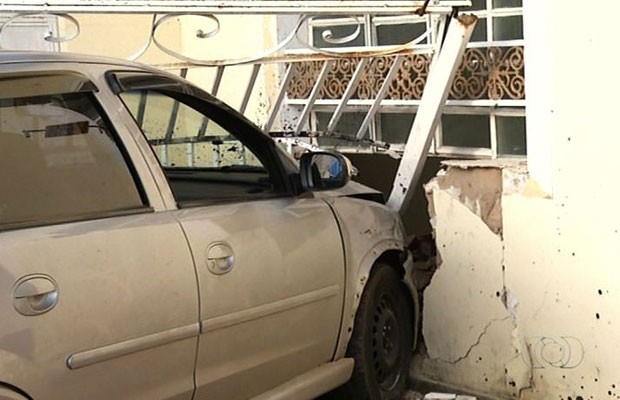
(382, 338)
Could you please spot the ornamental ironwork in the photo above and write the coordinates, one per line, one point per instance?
(493, 73)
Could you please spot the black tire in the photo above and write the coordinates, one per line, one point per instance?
(382, 341)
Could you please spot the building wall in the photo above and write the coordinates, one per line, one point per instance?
(523, 303)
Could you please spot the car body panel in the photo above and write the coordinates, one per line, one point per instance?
(156, 292)
(369, 231)
(301, 264)
(276, 313)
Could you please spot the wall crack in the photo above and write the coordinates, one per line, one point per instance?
(474, 345)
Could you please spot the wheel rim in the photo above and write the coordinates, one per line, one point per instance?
(386, 343)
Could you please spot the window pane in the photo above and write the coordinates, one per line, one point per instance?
(466, 131)
(507, 3)
(400, 33)
(340, 32)
(478, 5)
(511, 135)
(173, 129)
(480, 31)
(395, 128)
(348, 125)
(508, 28)
(202, 160)
(60, 161)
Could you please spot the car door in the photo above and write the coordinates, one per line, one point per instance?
(270, 266)
(98, 290)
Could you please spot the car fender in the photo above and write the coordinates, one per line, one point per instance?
(370, 231)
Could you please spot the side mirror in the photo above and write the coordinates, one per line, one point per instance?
(324, 170)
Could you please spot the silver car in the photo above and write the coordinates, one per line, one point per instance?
(154, 244)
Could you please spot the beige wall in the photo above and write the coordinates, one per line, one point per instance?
(530, 311)
(119, 36)
(123, 36)
(240, 36)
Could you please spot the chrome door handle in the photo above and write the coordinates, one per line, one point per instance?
(35, 294)
(220, 258)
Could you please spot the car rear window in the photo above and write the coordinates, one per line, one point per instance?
(60, 159)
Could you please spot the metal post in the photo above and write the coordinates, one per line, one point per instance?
(286, 80)
(380, 96)
(433, 100)
(216, 88)
(357, 76)
(249, 88)
(305, 114)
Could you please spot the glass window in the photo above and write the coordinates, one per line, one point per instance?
(472, 131)
(510, 135)
(498, 21)
(338, 35)
(508, 28)
(478, 5)
(395, 128)
(394, 34)
(507, 3)
(60, 159)
(347, 126)
(480, 31)
(201, 159)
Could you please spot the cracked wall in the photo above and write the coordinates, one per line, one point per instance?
(558, 253)
(466, 209)
(520, 306)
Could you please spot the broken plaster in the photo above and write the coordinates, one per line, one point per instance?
(479, 189)
(466, 210)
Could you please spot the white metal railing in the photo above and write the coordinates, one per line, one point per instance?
(446, 56)
(328, 7)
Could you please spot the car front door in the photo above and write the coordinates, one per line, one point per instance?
(99, 294)
(270, 266)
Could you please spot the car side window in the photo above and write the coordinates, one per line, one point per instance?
(61, 160)
(204, 157)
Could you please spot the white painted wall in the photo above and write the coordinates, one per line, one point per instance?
(555, 264)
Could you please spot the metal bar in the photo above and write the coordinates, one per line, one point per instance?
(174, 115)
(286, 80)
(357, 75)
(250, 88)
(331, 7)
(141, 108)
(438, 85)
(219, 73)
(380, 96)
(305, 114)
(305, 55)
(218, 80)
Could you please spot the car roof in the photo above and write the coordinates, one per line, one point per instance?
(18, 57)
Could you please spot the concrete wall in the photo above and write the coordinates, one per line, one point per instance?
(524, 301)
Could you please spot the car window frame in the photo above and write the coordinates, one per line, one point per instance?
(90, 89)
(204, 103)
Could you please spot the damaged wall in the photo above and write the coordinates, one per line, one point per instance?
(470, 325)
(530, 310)
(524, 308)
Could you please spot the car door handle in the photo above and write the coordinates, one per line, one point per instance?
(220, 258)
(35, 294)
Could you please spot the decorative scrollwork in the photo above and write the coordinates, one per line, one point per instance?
(494, 73)
(49, 37)
(328, 34)
(277, 50)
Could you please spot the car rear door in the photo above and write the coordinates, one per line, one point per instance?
(270, 266)
(98, 290)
